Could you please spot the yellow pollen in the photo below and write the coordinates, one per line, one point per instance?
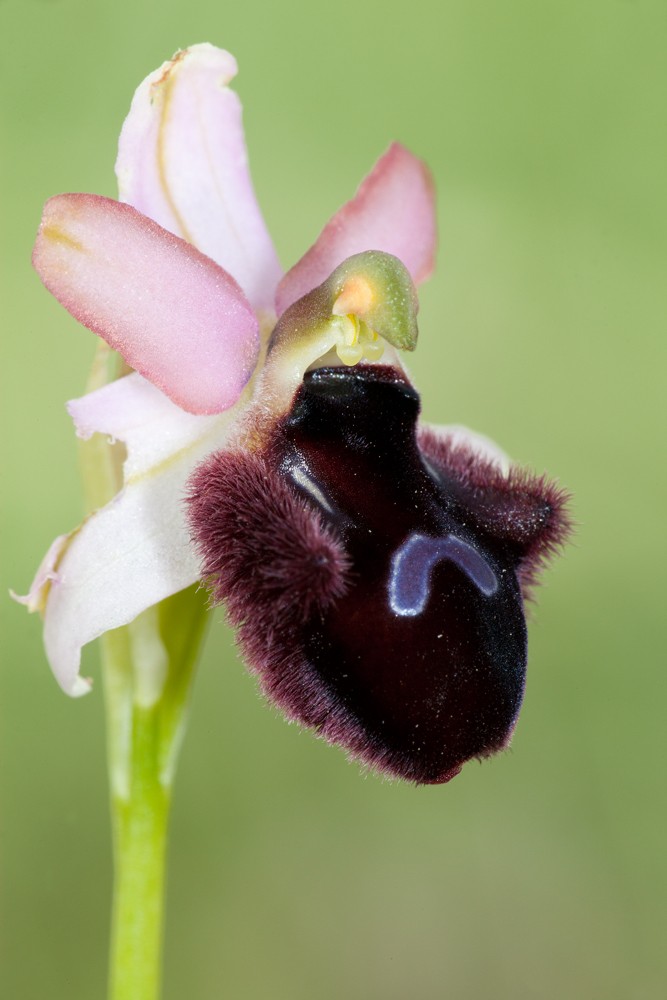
(357, 341)
(351, 335)
(374, 349)
(350, 355)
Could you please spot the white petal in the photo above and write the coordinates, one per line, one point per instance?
(134, 411)
(35, 599)
(135, 551)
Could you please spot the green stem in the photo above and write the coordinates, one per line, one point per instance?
(148, 669)
(140, 821)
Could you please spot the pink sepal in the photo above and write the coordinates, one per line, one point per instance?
(393, 210)
(173, 314)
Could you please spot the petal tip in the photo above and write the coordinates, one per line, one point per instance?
(47, 573)
(182, 161)
(80, 686)
(211, 57)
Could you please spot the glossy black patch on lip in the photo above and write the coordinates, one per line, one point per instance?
(376, 574)
(438, 679)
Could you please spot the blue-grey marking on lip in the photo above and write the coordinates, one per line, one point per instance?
(412, 565)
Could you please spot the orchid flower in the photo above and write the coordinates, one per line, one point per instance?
(375, 569)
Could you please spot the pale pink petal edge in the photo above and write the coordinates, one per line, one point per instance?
(182, 161)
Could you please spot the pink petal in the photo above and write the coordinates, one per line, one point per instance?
(393, 210)
(182, 161)
(173, 314)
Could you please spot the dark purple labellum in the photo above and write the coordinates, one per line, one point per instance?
(376, 576)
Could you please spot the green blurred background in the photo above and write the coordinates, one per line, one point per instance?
(540, 874)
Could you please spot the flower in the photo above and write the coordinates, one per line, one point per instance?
(375, 571)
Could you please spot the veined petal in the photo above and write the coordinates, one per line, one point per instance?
(182, 161)
(136, 550)
(172, 313)
(35, 599)
(393, 210)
